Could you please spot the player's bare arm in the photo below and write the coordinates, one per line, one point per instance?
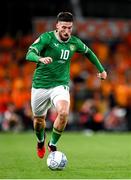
(46, 60)
(102, 75)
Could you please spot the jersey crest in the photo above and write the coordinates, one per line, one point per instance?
(72, 47)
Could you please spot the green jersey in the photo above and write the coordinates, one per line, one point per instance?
(58, 72)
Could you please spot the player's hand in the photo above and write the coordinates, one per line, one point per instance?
(46, 60)
(102, 75)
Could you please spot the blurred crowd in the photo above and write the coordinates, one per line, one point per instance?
(95, 104)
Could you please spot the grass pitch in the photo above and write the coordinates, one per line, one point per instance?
(98, 156)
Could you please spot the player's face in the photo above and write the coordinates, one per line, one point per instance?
(64, 30)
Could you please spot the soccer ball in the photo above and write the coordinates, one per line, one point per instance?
(56, 160)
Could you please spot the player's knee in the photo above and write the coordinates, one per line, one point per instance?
(39, 123)
(63, 114)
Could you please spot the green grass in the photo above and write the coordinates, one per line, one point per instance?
(100, 156)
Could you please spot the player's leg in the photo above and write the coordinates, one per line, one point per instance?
(39, 128)
(62, 104)
(40, 105)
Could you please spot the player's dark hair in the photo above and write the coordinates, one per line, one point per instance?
(65, 16)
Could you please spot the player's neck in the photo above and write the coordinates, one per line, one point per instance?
(58, 37)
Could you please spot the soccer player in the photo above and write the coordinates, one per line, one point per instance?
(52, 52)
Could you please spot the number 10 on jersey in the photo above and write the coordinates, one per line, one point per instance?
(64, 54)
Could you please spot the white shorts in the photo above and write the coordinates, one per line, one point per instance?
(42, 99)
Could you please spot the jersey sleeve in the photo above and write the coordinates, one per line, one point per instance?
(81, 47)
(34, 50)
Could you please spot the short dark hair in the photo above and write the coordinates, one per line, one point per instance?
(65, 16)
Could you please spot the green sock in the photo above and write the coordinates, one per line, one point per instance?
(40, 135)
(56, 134)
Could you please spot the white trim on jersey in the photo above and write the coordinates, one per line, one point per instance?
(34, 49)
(86, 48)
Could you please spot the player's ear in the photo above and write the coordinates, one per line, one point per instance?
(57, 25)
